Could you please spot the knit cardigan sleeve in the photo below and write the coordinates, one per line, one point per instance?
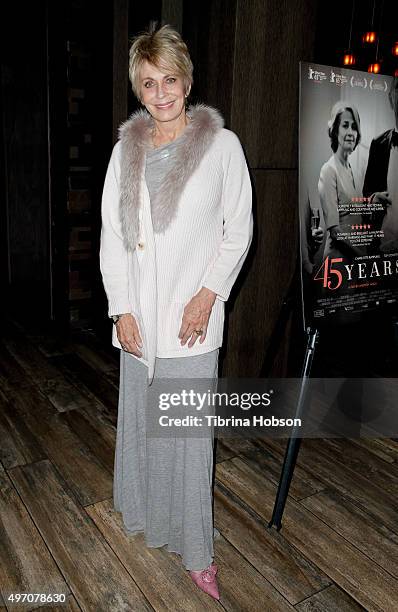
(238, 220)
(113, 255)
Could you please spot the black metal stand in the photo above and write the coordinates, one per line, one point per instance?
(294, 443)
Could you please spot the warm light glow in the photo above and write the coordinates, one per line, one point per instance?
(348, 59)
(374, 68)
(396, 72)
(369, 37)
(395, 48)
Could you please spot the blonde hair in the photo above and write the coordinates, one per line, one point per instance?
(165, 49)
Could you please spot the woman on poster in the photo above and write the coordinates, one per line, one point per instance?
(176, 228)
(338, 187)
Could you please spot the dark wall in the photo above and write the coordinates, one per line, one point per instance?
(57, 87)
(209, 31)
(246, 56)
(25, 209)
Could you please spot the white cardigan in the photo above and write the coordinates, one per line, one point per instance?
(205, 244)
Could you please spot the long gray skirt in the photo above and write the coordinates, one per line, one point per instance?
(163, 487)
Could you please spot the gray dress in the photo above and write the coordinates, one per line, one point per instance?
(163, 487)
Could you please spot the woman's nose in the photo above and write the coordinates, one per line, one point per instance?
(160, 92)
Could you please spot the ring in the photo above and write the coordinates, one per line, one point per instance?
(199, 332)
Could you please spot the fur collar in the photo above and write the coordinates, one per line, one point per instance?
(135, 138)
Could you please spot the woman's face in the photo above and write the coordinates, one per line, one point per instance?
(347, 133)
(162, 93)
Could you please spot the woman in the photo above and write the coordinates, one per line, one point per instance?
(337, 184)
(177, 226)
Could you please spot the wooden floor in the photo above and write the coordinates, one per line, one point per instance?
(337, 551)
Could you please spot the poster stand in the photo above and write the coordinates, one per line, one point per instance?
(294, 442)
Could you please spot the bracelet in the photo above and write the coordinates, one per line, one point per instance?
(115, 318)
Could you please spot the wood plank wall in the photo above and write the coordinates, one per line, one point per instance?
(120, 63)
(24, 122)
(246, 55)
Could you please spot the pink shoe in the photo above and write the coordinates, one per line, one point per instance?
(206, 580)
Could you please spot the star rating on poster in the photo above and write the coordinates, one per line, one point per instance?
(360, 227)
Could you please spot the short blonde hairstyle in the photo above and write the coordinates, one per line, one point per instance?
(165, 49)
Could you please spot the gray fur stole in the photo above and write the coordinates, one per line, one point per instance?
(135, 138)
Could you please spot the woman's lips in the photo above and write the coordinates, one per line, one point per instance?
(164, 106)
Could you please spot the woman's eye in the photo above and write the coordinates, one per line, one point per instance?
(171, 80)
(148, 84)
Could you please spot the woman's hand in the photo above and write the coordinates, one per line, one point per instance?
(196, 317)
(317, 237)
(129, 335)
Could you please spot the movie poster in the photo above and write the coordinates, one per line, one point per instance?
(348, 192)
